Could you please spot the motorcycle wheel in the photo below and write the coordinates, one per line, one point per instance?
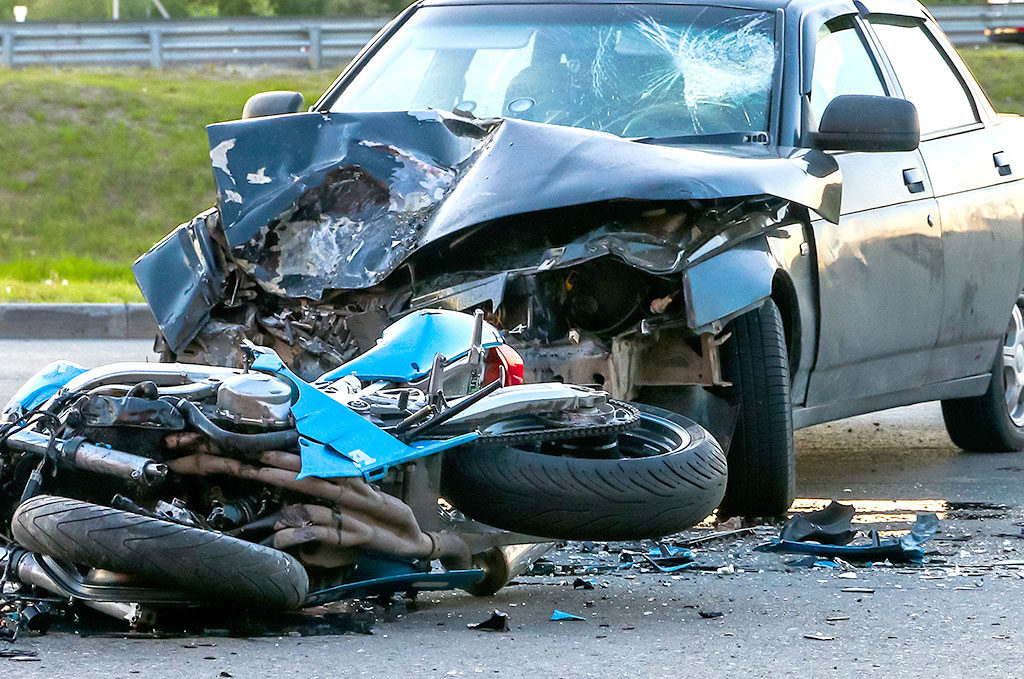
(192, 560)
(670, 475)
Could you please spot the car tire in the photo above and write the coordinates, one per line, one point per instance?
(192, 560)
(762, 461)
(990, 423)
(674, 480)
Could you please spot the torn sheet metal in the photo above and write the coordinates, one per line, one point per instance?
(351, 195)
(904, 549)
(182, 279)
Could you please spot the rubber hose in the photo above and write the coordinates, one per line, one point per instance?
(233, 442)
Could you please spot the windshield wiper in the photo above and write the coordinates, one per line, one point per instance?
(720, 138)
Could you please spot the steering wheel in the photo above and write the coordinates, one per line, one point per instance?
(674, 113)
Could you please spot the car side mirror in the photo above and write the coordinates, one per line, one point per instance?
(864, 122)
(273, 104)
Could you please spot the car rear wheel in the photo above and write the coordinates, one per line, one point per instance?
(762, 467)
(994, 421)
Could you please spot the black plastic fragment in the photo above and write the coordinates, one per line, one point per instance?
(498, 622)
(829, 526)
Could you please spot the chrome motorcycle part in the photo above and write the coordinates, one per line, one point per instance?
(502, 564)
(539, 412)
(77, 453)
(255, 399)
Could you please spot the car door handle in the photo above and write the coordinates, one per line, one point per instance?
(914, 179)
(1002, 162)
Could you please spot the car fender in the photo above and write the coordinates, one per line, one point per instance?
(727, 284)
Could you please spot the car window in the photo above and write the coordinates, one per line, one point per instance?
(632, 70)
(842, 65)
(925, 75)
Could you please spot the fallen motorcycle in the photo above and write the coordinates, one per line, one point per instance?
(423, 464)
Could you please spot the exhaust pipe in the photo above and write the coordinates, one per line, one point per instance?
(78, 453)
(24, 566)
(502, 564)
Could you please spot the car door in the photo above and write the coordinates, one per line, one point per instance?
(974, 167)
(880, 268)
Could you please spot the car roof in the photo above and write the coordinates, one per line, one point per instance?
(908, 7)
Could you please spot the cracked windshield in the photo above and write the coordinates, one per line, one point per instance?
(637, 71)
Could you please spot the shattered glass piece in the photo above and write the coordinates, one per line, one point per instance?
(921, 532)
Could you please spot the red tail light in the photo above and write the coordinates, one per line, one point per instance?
(503, 359)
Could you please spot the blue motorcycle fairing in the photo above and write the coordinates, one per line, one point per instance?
(375, 576)
(43, 385)
(405, 352)
(337, 442)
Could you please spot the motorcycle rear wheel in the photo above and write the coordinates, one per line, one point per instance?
(192, 560)
(671, 475)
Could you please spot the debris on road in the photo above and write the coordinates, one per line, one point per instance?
(832, 534)
(830, 526)
(498, 622)
(560, 616)
(707, 615)
(819, 637)
(20, 655)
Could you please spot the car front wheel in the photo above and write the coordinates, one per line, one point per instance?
(994, 421)
(762, 467)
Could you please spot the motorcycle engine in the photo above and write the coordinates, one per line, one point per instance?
(255, 400)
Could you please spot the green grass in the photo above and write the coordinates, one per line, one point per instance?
(97, 165)
(1001, 74)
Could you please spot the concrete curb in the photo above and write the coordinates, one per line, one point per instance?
(76, 321)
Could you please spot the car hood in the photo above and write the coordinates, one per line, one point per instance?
(312, 202)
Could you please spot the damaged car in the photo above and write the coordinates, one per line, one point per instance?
(762, 215)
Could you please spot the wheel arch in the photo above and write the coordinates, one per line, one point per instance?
(786, 299)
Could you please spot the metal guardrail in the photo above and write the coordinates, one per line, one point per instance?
(315, 42)
(965, 24)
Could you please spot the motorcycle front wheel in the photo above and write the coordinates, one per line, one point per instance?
(663, 476)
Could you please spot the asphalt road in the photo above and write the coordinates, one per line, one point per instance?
(959, 615)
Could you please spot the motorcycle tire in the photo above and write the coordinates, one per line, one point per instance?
(185, 558)
(671, 476)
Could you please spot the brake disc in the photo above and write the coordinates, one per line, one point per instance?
(609, 418)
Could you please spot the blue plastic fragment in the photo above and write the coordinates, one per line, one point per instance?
(337, 442)
(43, 385)
(903, 549)
(559, 616)
(669, 559)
